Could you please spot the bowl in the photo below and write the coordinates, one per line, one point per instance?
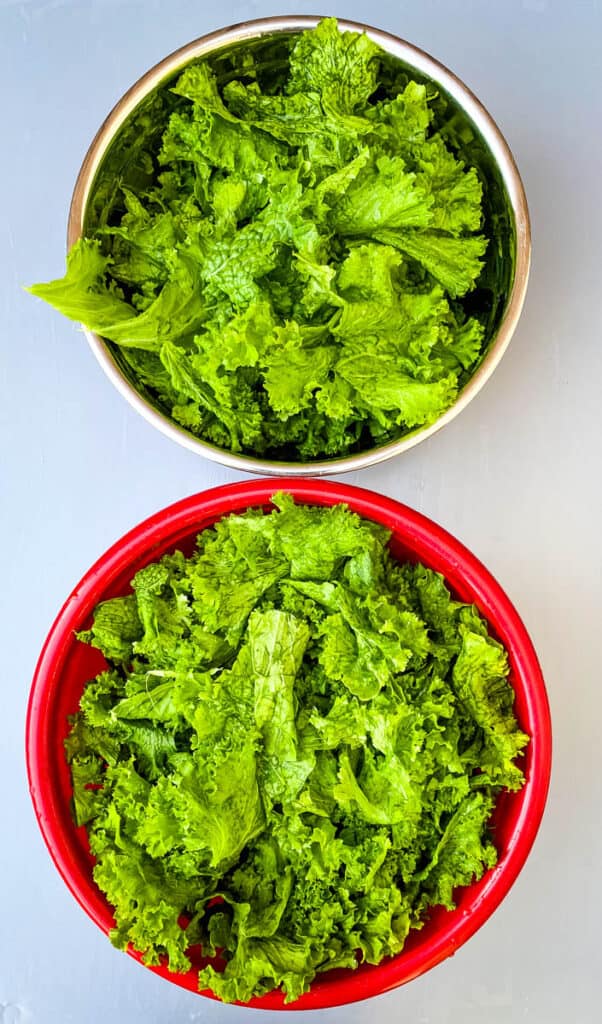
(65, 665)
(484, 146)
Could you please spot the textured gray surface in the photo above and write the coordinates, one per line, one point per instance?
(516, 477)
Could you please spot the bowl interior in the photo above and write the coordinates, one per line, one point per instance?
(120, 164)
(66, 664)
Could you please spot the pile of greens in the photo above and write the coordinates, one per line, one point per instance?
(294, 751)
(281, 251)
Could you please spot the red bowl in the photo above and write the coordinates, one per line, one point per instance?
(65, 665)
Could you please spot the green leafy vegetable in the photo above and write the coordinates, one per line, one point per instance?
(281, 247)
(293, 753)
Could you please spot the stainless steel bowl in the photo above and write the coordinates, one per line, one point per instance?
(485, 130)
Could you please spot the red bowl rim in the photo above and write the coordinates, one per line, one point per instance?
(406, 522)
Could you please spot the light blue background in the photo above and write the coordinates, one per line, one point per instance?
(516, 477)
